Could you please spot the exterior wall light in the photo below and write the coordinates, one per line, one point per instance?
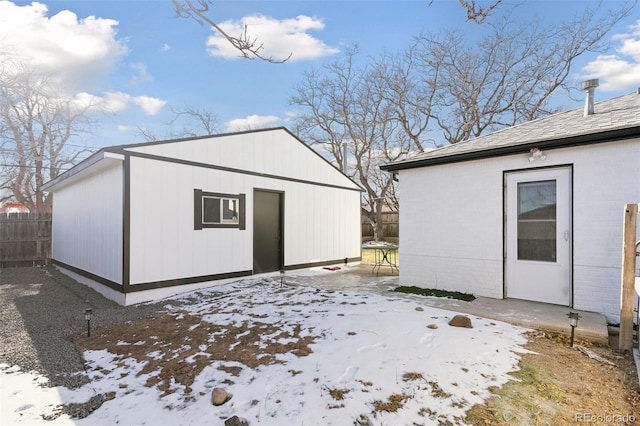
(87, 315)
(536, 154)
(573, 322)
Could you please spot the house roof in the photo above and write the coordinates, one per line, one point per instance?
(613, 119)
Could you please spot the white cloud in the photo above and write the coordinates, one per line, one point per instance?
(279, 38)
(115, 102)
(251, 122)
(142, 74)
(77, 52)
(111, 102)
(124, 128)
(149, 105)
(619, 71)
(84, 100)
(165, 48)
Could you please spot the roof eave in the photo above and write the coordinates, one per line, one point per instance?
(82, 168)
(586, 139)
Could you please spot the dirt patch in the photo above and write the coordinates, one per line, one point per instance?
(555, 385)
(560, 385)
(178, 346)
(394, 403)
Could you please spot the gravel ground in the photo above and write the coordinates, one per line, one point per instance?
(42, 310)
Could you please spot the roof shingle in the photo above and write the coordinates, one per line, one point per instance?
(610, 115)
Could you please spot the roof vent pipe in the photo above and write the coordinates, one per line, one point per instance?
(589, 86)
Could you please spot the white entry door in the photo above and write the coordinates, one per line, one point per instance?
(538, 235)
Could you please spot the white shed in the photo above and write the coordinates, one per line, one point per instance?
(529, 212)
(146, 221)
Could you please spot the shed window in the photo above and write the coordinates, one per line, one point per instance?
(215, 210)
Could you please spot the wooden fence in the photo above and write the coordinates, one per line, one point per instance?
(25, 239)
(390, 228)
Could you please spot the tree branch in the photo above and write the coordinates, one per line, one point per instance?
(248, 47)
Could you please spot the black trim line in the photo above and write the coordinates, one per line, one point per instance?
(126, 225)
(153, 285)
(589, 139)
(100, 280)
(324, 263)
(234, 170)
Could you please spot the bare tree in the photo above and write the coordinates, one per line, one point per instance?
(410, 90)
(35, 125)
(477, 13)
(248, 47)
(190, 122)
(506, 78)
(345, 104)
(444, 88)
(199, 118)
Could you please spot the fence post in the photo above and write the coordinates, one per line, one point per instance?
(627, 295)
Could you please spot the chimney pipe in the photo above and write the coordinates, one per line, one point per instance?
(344, 158)
(589, 86)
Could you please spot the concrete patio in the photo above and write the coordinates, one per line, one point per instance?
(535, 315)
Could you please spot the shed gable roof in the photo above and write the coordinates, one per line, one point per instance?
(228, 152)
(613, 119)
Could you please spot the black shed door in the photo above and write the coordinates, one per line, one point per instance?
(267, 231)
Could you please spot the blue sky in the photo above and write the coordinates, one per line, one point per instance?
(136, 59)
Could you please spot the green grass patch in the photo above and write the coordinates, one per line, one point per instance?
(436, 293)
(541, 380)
(532, 398)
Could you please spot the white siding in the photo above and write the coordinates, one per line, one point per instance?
(273, 152)
(606, 177)
(164, 244)
(87, 223)
(451, 229)
(321, 223)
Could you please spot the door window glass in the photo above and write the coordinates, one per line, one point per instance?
(537, 221)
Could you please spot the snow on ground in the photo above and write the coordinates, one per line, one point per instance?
(370, 348)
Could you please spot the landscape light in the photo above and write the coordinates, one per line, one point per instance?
(281, 277)
(87, 315)
(573, 322)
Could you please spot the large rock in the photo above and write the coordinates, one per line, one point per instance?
(219, 396)
(235, 421)
(461, 321)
